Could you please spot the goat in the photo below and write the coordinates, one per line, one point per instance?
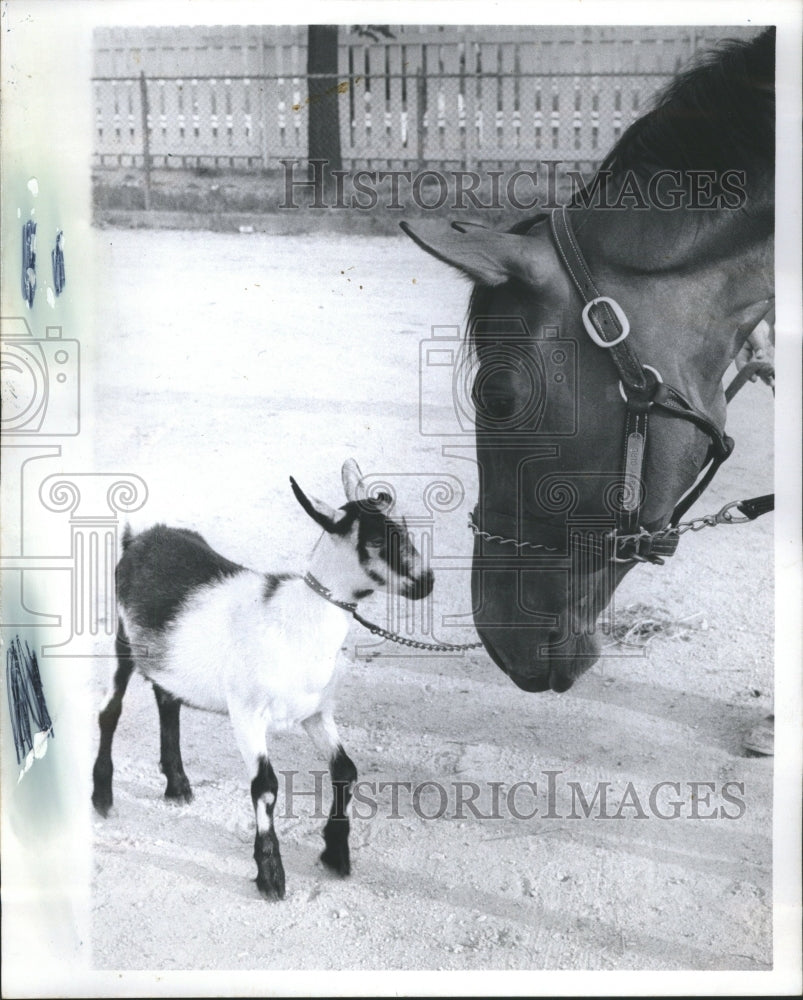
(213, 635)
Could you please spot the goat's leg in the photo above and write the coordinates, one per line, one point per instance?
(178, 785)
(249, 731)
(322, 731)
(107, 719)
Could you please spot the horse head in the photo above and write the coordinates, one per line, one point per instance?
(575, 438)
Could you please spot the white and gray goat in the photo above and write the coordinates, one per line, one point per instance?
(214, 635)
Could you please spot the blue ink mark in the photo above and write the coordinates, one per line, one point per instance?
(57, 256)
(26, 699)
(29, 262)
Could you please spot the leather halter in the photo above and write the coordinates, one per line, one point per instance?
(643, 390)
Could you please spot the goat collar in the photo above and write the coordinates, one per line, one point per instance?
(324, 592)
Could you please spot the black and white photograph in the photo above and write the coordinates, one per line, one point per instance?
(401, 539)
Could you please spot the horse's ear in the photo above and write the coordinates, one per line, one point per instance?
(490, 258)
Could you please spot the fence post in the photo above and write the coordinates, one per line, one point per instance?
(146, 139)
(421, 110)
(262, 90)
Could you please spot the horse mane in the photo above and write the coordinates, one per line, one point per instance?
(717, 115)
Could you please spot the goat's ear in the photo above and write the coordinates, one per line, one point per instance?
(351, 478)
(321, 513)
(492, 258)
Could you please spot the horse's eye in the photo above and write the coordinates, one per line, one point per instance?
(492, 397)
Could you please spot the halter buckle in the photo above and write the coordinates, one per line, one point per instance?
(618, 312)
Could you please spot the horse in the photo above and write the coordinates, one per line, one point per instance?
(600, 333)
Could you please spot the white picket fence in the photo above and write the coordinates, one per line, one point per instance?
(460, 97)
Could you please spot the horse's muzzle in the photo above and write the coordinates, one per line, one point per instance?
(534, 663)
(538, 629)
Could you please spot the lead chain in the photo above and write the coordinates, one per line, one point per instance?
(444, 647)
(695, 524)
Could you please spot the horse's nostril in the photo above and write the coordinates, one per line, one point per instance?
(560, 678)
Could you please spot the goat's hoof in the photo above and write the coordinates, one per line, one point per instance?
(336, 858)
(270, 890)
(102, 803)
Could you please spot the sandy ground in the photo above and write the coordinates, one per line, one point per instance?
(228, 363)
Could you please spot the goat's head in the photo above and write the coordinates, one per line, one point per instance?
(382, 554)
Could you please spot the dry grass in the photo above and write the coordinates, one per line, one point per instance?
(639, 624)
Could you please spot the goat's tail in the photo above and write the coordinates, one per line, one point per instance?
(128, 536)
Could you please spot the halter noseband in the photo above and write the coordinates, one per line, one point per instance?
(642, 390)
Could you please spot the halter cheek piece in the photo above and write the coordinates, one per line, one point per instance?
(642, 390)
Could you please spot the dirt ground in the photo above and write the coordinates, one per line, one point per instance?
(228, 362)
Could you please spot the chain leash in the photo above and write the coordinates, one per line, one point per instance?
(723, 516)
(432, 647)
